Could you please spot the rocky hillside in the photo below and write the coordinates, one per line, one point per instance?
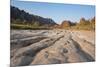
(83, 24)
(65, 24)
(19, 16)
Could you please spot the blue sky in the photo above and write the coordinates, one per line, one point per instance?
(58, 12)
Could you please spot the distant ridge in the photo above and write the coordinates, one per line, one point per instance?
(21, 17)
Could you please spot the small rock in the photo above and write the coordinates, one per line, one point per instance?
(46, 54)
(68, 42)
(64, 50)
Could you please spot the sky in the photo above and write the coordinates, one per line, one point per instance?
(58, 12)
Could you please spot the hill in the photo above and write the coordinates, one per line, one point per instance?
(83, 24)
(22, 19)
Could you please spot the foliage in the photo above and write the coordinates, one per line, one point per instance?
(24, 26)
(85, 24)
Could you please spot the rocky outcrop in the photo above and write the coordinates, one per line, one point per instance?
(65, 24)
(35, 47)
(23, 17)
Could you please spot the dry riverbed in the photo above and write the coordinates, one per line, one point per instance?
(32, 47)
